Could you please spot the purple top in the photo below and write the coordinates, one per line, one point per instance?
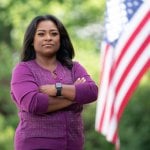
(37, 129)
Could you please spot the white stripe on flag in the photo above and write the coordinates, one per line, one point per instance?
(142, 60)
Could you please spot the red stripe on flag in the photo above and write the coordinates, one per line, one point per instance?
(103, 65)
(132, 88)
(132, 62)
(134, 59)
(134, 34)
(104, 60)
(114, 96)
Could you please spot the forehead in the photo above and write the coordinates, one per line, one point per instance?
(46, 25)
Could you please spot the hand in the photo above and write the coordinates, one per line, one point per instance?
(48, 89)
(80, 80)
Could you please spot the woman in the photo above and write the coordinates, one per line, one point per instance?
(49, 89)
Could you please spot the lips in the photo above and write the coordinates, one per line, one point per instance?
(48, 45)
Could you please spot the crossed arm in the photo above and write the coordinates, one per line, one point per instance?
(31, 98)
(59, 102)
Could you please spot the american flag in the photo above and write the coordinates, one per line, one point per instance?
(125, 57)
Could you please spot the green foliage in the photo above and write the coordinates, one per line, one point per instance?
(14, 18)
(135, 123)
(6, 61)
(20, 12)
(76, 15)
(93, 140)
(7, 134)
(134, 127)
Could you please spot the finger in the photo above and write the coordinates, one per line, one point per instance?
(83, 79)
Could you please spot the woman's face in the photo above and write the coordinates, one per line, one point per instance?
(47, 39)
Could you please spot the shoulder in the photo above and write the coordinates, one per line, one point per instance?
(19, 66)
(77, 65)
(78, 68)
(22, 67)
(21, 72)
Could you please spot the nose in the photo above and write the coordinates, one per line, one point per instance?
(48, 37)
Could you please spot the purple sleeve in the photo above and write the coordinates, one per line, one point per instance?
(25, 93)
(88, 91)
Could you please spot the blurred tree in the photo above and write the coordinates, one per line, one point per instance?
(135, 123)
(82, 19)
(134, 127)
(16, 15)
(14, 18)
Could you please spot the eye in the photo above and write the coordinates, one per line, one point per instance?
(54, 33)
(40, 34)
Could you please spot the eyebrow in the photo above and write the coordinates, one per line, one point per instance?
(39, 30)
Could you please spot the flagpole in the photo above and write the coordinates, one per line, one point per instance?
(117, 145)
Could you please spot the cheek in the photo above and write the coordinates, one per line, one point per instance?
(36, 44)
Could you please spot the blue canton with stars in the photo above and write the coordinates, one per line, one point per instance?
(118, 14)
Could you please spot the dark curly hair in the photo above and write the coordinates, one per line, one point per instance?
(66, 50)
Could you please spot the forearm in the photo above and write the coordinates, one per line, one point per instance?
(82, 93)
(86, 93)
(68, 91)
(57, 103)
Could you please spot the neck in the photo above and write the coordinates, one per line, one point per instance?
(47, 63)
